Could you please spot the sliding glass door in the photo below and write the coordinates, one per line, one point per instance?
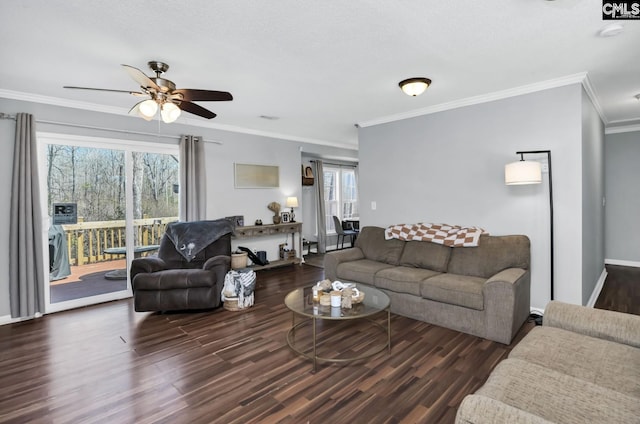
(107, 201)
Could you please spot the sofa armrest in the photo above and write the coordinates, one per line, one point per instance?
(220, 265)
(333, 259)
(608, 325)
(507, 303)
(478, 409)
(220, 260)
(147, 264)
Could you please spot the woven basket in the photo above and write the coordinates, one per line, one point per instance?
(231, 304)
(239, 260)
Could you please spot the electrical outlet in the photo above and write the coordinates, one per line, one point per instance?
(373, 205)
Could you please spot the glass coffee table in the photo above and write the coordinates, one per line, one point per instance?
(300, 302)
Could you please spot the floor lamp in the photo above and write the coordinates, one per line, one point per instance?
(530, 172)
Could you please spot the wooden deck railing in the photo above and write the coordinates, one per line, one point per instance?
(86, 241)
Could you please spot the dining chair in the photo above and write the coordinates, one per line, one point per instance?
(342, 232)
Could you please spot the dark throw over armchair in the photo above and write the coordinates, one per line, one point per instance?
(188, 272)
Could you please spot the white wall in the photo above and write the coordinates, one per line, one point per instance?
(592, 198)
(449, 167)
(222, 198)
(622, 188)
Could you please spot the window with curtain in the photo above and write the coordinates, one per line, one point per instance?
(340, 195)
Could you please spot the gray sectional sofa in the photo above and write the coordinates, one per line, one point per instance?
(581, 366)
(484, 290)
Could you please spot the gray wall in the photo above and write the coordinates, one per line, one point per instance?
(7, 134)
(622, 217)
(592, 198)
(222, 198)
(449, 167)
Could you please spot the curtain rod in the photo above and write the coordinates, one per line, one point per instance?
(335, 164)
(91, 127)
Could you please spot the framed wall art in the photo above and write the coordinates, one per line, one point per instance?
(256, 176)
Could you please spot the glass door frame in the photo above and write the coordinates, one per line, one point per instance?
(128, 147)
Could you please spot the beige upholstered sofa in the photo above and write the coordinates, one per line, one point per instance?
(482, 290)
(581, 366)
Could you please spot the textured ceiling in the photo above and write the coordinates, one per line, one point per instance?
(319, 66)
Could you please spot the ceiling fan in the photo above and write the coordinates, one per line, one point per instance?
(164, 95)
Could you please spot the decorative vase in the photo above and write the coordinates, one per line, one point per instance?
(276, 219)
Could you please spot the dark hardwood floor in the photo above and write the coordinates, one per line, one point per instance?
(621, 290)
(108, 364)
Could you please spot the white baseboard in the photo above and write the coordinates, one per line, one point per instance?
(634, 264)
(597, 289)
(6, 319)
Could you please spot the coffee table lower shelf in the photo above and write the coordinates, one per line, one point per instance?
(313, 355)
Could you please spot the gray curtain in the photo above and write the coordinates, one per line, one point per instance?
(193, 201)
(320, 210)
(26, 273)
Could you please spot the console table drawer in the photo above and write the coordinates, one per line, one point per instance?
(284, 229)
(242, 232)
(257, 232)
(269, 229)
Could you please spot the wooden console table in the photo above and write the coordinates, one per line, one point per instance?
(255, 231)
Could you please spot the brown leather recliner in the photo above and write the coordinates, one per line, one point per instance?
(171, 282)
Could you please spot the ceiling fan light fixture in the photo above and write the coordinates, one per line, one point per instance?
(147, 109)
(162, 93)
(169, 112)
(414, 86)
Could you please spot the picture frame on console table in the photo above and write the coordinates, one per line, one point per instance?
(285, 217)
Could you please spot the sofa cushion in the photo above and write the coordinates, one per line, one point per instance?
(424, 254)
(477, 409)
(492, 255)
(361, 271)
(402, 279)
(557, 397)
(372, 243)
(454, 289)
(612, 365)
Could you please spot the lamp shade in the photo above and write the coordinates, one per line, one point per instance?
(523, 172)
(169, 112)
(414, 86)
(148, 109)
(292, 202)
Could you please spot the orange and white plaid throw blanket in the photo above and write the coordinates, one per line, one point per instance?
(448, 235)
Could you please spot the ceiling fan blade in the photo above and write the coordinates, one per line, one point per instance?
(141, 78)
(191, 95)
(135, 93)
(196, 109)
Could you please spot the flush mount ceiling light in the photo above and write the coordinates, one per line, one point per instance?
(611, 30)
(414, 86)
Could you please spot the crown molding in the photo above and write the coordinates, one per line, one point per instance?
(578, 78)
(56, 101)
(591, 92)
(622, 129)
